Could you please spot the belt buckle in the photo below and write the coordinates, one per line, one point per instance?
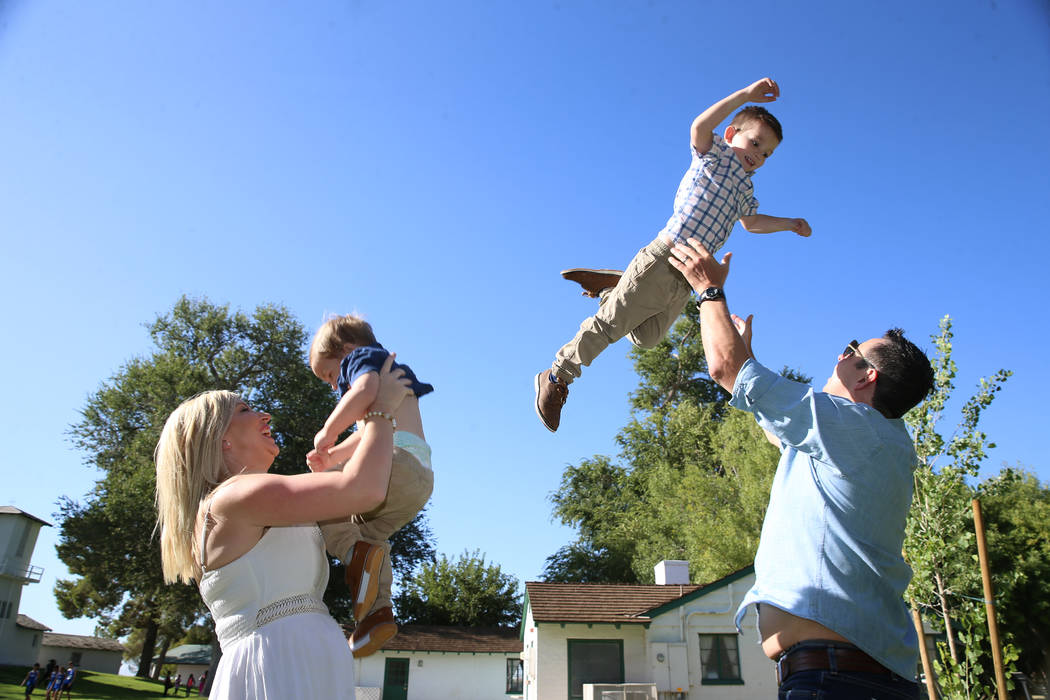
(780, 672)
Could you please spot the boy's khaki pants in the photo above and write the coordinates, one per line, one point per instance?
(408, 491)
(643, 305)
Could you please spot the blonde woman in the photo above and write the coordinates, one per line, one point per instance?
(250, 539)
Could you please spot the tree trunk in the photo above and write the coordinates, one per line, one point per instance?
(947, 619)
(216, 654)
(163, 652)
(148, 644)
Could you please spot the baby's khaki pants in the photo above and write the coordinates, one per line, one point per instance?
(408, 491)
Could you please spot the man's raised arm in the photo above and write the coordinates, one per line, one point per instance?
(724, 347)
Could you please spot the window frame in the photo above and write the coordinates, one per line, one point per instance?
(520, 676)
(570, 643)
(704, 680)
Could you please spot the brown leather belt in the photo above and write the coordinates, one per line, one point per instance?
(824, 656)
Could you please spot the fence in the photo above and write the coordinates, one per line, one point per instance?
(619, 691)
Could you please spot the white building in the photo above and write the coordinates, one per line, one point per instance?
(423, 662)
(680, 639)
(431, 662)
(88, 653)
(19, 644)
(23, 640)
(187, 658)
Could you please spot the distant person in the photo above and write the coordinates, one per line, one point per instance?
(67, 680)
(190, 684)
(31, 679)
(250, 539)
(167, 683)
(54, 683)
(200, 683)
(716, 192)
(829, 575)
(345, 355)
(178, 683)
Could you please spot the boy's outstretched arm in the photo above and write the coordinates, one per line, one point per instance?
(352, 407)
(764, 90)
(763, 223)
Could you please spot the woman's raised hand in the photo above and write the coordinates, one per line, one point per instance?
(393, 387)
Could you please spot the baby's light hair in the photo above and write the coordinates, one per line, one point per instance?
(189, 465)
(338, 330)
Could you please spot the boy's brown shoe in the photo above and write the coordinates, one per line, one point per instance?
(362, 576)
(592, 281)
(550, 397)
(373, 632)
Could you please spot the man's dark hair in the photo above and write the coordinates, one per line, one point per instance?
(753, 113)
(905, 374)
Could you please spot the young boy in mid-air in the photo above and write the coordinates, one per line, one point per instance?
(345, 355)
(716, 192)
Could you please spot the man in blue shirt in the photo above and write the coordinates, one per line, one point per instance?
(829, 575)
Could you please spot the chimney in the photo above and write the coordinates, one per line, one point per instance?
(672, 572)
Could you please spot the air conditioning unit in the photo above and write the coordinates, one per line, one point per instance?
(619, 691)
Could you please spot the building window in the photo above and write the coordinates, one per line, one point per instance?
(22, 541)
(719, 659)
(3, 608)
(515, 674)
(594, 661)
(76, 657)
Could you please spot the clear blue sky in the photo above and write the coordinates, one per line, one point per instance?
(434, 165)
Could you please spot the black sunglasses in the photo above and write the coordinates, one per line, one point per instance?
(853, 348)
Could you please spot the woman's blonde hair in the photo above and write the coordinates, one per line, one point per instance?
(189, 465)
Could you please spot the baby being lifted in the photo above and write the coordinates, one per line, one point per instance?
(345, 355)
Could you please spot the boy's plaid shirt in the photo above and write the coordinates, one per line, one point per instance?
(714, 193)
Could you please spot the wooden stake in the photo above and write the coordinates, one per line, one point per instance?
(989, 601)
(927, 667)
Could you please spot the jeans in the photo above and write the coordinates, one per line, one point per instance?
(839, 685)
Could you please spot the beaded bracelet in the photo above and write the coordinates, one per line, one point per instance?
(382, 414)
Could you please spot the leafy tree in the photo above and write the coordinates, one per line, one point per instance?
(712, 510)
(1015, 508)
(580, 562)
(693, 483)
(940, 544)
(412, 545)
(105, 539)
(598, 498)
(465, 592)
(170, 636)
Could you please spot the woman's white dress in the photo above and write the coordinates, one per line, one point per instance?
(278, 640)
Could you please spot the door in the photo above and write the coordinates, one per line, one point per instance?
(395, 679)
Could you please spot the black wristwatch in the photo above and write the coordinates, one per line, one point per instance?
(711, 294)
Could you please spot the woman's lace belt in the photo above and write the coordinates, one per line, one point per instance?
(292, 605)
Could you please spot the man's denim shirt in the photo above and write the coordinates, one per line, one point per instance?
(831, 541)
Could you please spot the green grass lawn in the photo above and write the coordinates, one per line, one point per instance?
(96, 686)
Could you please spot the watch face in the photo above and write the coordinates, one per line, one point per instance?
(711, 293)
